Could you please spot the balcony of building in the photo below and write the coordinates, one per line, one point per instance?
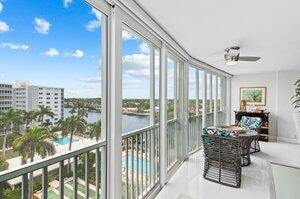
(207, 65)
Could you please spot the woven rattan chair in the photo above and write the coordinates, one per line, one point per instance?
(252, 123)
(222, 160)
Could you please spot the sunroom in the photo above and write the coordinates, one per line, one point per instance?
(149, 99)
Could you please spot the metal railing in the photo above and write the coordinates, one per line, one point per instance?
(173, 144)
(60, 165)
(140, 162)
(194, 133)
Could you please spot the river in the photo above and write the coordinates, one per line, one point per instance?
(129, 122)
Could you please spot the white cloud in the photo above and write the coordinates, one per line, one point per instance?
(92, 25)
(1, 6)
(90, 87)
(4, 27)
(42, 26)
(67, 3)
(138, 64)
(14, 46)
(96, 23)
(77, 53)
(89, 79)
(144, 48)
(127, 36)
(52, 52)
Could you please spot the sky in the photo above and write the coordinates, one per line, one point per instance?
(57, 43)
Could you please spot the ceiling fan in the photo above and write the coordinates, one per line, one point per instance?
(232, 56)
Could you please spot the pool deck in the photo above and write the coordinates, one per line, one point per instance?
(60, 149)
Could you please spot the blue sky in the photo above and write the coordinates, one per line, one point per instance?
(57, 43)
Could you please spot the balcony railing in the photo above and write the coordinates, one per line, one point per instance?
(60, 163)
(194, 133)
(173, 144)
(140, 160)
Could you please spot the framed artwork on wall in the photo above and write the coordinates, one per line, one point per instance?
(253, 95)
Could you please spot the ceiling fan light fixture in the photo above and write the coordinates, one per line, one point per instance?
(231, 62)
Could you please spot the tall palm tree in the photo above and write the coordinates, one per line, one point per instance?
(29, 117)
(73, 125)
(80, 109)
(95, 130)
(36, 140)
(9, 120)
(42, 112)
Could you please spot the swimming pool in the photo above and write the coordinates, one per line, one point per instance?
(63, 140)
(135, 161)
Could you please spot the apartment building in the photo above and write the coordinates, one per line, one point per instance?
(6, 97)
(29, 97)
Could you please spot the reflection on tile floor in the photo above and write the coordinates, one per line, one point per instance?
(188, 182)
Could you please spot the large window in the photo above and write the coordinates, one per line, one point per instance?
(51, 61)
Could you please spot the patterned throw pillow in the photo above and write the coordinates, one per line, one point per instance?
(251, 123)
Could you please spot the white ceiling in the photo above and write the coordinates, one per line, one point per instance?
(266, 28)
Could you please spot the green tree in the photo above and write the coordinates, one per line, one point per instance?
(80, 108)
(36, 140)
(73, 125)
(29, 117)
(94, 130)
(9, 120)
(42, 112)
(12, 193)
(3, 164)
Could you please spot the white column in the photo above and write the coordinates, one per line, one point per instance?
(152, 86)
(163, 115)
(197, 107)
(210, 94)
(197, 91)
(185, 110)
(114, 167)
(216, 101)
(104, 107)
(175, 89)
(204, 100)
(228, 101)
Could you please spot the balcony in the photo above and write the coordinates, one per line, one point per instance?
(142, 85)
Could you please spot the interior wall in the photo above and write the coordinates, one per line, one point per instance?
(279, 91)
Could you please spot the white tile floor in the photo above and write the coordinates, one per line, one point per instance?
(188, 183)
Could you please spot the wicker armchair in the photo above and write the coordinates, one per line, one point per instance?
(222, 160)
(252, 123)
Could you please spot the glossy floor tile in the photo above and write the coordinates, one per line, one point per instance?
(188, 182)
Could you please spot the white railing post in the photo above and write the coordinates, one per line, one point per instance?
(204, 100)
(114, 167)
(163, 115)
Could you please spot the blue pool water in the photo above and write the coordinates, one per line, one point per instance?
(63, 140)
(146, 164)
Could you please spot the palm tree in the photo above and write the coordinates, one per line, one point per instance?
(8, 121)
(42, 112)
(73, 125)
(80, 109)
(95, 130)
(36, 140)
(29, 117)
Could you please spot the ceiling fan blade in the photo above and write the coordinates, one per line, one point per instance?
(248, 58)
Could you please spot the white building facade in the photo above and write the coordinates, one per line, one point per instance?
(28, 98)
(6, 97)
